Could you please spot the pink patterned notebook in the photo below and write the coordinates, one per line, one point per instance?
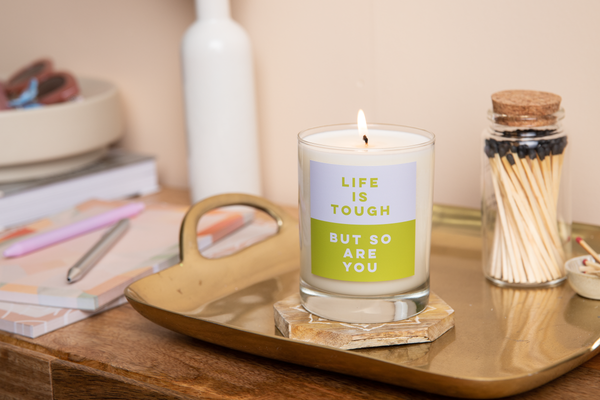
(34, 320)
(149, 245)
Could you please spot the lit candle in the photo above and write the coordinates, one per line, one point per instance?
(365, 220)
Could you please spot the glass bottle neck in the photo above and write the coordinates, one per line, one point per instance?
(524, 132)
(526, 126)
(212, 9)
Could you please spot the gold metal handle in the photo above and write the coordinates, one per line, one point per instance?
(188, 245)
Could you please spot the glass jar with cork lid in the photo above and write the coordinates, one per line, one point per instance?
(526, 213)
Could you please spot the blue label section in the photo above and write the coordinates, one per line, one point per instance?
(363, 195)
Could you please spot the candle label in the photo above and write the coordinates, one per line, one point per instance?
(363, 221)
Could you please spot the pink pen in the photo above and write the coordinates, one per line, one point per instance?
(70, 231)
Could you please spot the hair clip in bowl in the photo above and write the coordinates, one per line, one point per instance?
(20, 80)
(55, 88)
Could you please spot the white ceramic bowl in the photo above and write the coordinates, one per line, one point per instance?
(60, 137)
(586, 285)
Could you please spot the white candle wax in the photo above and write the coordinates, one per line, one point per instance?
(340, 154)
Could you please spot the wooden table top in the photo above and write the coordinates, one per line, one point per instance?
(120, 354)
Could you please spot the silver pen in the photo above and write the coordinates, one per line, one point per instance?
(87, 262)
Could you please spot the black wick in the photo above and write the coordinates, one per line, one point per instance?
(366, 139)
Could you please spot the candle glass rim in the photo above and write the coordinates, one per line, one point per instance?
(430, 136)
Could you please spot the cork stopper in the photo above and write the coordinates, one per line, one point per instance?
(525, 107)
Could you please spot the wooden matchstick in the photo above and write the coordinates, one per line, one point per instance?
(557, 163)
(533, 273)
(496, 266)
(587, 248)
(546, 171)
(505, 257)
(591, 264)
(591, 271)
(539, 260)
(518, 270)
(555, 171)
(536, 166)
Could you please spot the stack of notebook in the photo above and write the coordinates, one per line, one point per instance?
(118, 175)
(35, 297)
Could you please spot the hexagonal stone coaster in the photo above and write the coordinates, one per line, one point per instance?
(294, 322)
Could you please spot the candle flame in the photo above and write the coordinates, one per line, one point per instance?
(362, 125)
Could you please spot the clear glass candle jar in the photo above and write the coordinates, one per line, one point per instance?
(365, 221)
(526, 210)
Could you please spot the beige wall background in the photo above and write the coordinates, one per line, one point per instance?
(429, 64)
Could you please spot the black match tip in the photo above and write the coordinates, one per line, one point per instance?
(563, 144)
(494, 145)
(514, 149)
(547, 148)
(510, 159)
(541, 152)
(532, 154)
(521, 152)
(366, 139)
(503, 148)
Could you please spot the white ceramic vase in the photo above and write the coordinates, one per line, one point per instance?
(220, 104)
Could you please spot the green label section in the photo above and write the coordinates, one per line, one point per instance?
(363, 253)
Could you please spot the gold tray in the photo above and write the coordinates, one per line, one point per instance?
(505, 341)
